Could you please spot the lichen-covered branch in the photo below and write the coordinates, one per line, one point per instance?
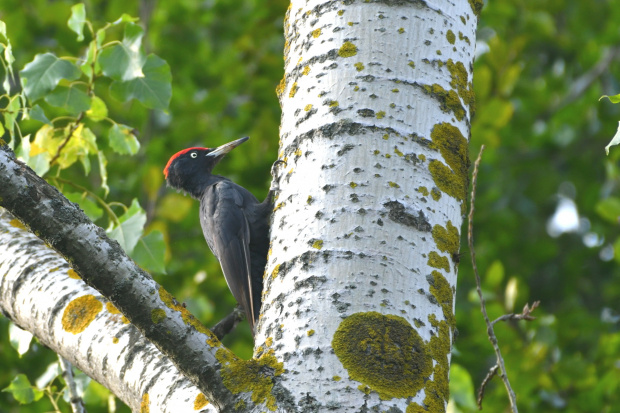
(103, 265)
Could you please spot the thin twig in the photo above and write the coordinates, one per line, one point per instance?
(69, 135)
(77, 404)
(490, 332)
(526, 314)
(492, 372)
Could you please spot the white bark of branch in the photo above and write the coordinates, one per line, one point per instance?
(35, 289)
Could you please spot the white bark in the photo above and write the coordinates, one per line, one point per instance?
(372, 109)
(35, 289)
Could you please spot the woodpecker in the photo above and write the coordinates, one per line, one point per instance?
(235, 225)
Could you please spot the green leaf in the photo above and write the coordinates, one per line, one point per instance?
(77, 20)
(90, 208)
(462, 387)
(150, 252)
(494, 275)
(20, 339)
(8, 57)
(123, 61)
(125, 18)
(154, 90)
(37, 113)
(11, 112)
(616, 139)
(42, 75)
(130, 229)
(103, 172)
(609, 209)
(22, 390)
(98, 110)
(87, 65)
(73, 99)
(613, 99)
(122, 140)
(39, 162)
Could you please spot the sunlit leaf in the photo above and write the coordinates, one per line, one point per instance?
(21, 389)
(150, 251)
(98, 110)
(42, 75)
(154, 90)
(609, 209)
(11, 112)
(616, 139)
(77, 20)
(73, 99)
(123, 61)
(51, 372)
(122, 140)
(131, 226)
(613, 98)
(494, 275)
(103, 172)
(20, 339)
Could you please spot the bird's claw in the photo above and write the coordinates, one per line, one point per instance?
(275, 183)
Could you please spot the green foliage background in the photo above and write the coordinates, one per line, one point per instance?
(543, 126)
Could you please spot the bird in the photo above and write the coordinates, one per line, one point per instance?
(234, 223)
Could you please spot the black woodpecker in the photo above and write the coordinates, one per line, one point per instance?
(234, 223)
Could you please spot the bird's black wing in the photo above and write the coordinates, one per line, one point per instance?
(227, 232)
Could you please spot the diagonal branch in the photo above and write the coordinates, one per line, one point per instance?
(103, 265)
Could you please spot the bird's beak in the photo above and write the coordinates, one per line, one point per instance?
(220, 151)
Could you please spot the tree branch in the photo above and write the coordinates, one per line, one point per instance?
(492, 338)
(103, 265)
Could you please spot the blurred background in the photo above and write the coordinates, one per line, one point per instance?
(548, 199)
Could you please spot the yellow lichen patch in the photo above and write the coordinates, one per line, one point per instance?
(352, 184)
(395, 90)
(275, 271)
(124, 320)
(115, 340)
(333, 103)
(157, 315)
(17, 224)
(306, 108)
(111, 308)
(451, 36)
(423, 190)
(348, 49)
(401, 30)
(336, 378)
(145, 404)
(200, 401)
(459, 82)
(359, 66)
(293, 90)
(340, 12)
(306, 70)
(280, 205)
(318, 244)
(411, 64)
(398, 152)
(438, 261)
(310, 333)
(72, 274)
(381, 114)
(476, 6)
(415, 408)
(447, 239)
(281, 87)
(186, 316)
(393, 184)
(437, 390)
(452, 179)
(449, 100)
(422, 157)
(440, 289)
(80, 312)
(254, 376)
(316, 33)
(384, 353)
(436, 194)
(269, 341)
(309, 200)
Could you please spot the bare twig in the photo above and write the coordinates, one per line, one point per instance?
(77, 404)
(69, 135)
(492, 372)
(490, 332)
(526, 314)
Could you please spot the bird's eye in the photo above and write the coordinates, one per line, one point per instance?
(193, 155)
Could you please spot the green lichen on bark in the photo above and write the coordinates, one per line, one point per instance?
(437, 390)
(383, 352)
(438, 261)
(449, 99)
(459, 82)
(441, 290)
(476, 6)
(452, 179)
(347, 49)
(254, 376)
(157, 315)
(447, 239)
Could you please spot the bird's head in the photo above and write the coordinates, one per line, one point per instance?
(189, 169)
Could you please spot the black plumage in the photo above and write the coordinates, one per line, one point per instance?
(235, 225)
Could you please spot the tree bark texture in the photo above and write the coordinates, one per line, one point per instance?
(360, 283)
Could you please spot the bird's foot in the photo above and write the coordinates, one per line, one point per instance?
(275, 182)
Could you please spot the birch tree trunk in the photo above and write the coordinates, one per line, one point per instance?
(359, 289)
